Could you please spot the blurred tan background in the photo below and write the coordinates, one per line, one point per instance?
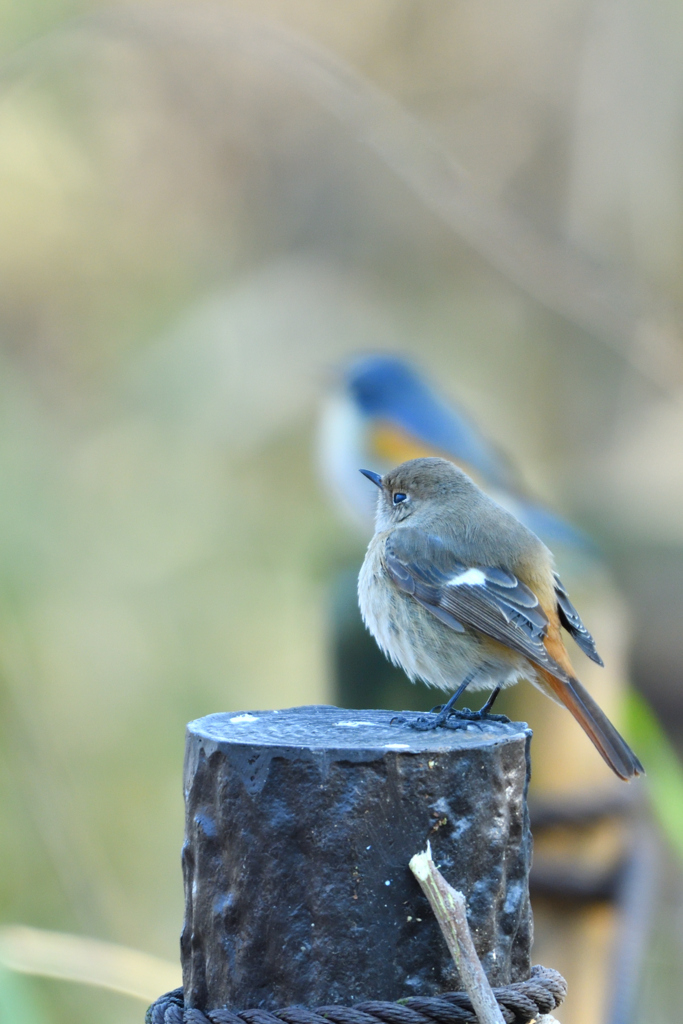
(203, 209)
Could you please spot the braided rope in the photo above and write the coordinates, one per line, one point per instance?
(519, 1003)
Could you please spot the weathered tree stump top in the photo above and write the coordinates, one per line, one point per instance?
(299, 828)
(360, 735)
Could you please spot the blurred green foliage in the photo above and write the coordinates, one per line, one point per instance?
(664, 768)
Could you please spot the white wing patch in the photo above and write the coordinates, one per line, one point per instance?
(471, 577)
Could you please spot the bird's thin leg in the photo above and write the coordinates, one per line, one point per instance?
(485, 708)
(425, 723)
(447, 708)
(484, 712)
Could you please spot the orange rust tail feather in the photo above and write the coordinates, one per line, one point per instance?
(592, 719)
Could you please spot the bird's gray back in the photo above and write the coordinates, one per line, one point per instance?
(479, 531)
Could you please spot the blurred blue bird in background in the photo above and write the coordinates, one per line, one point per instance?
(383, 412)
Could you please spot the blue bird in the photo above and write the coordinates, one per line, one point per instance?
(384, 412)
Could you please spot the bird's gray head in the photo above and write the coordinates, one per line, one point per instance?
(418, 488)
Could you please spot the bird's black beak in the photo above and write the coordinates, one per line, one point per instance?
(375, 477)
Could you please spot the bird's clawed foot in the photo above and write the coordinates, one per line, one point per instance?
(447, 716)
(466, 715)
(424, 723)
(458, 719)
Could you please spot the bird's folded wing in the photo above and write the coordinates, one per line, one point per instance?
(571, 620)
(487, 598)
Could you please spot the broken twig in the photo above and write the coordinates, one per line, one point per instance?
(450, 911)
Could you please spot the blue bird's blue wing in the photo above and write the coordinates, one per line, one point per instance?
(390, 389)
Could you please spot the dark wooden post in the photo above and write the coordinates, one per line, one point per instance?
(300, 826)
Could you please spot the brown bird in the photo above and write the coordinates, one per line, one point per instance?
(459, 593)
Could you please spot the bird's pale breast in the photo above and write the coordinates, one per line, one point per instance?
(422, 645)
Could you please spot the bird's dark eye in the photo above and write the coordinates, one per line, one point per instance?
(399, 497)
